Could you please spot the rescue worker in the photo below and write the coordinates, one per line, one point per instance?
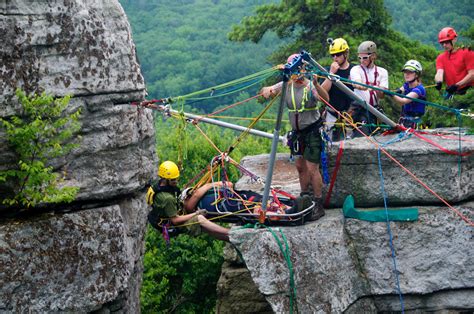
(369, 74)
(305, 142)
(455, 66)
(412, 111)
(164, 197)
(339, 51)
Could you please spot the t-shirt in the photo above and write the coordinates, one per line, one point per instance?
(414, 108)
(455, 65)
(337, 98)
(375, 76)
(165, 204)
(301, 101)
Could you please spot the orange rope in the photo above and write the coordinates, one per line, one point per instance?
(467, 220)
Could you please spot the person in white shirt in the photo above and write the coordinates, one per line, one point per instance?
(369, 74)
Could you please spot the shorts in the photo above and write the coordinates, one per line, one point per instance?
(193, 227)
(307, 145)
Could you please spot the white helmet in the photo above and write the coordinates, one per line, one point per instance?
(186, 193)
(413, 65)
(367, 47)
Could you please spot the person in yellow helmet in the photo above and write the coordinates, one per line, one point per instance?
(167, 206)
(339, 51)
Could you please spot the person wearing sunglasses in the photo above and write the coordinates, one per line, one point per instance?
(368, 73)
(412, 110)
(455, 65)
(339, 51)
(301, 98)
(168, 209)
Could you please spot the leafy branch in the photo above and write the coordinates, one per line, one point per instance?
(40, 134)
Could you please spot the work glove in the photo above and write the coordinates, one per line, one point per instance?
(451, 89)
(201, 212)
(438, 85)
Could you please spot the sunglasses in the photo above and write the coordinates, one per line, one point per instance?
(445, 42)
(364, 58)
(337, 54)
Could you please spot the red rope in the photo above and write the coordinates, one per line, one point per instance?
(334, 174)
(467, 220)
(447, 151)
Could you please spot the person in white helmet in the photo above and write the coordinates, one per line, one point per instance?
(412, 111)
(368, 73)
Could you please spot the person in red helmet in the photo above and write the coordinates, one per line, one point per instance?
(455, 66)
(301, 99)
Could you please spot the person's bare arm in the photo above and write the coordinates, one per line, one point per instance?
(190, 204)
(321, 91)
(402, 101)
(439, 75)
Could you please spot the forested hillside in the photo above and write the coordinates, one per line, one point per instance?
(183, 47)
(423, 19)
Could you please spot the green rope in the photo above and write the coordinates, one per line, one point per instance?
(263, 78)
(266, 73)
(429, 103)
(286, 255)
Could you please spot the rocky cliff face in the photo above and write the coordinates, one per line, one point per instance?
(346, 265)
(88, 255)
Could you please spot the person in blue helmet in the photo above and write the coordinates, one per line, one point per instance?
(412, 110)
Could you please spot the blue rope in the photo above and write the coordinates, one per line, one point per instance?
(392, 248)
(324, 159)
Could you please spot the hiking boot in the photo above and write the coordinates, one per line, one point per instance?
(318, 210)
(301, 203)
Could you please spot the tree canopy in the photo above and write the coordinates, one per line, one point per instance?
(423, 19)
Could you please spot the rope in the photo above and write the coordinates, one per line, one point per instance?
(334, 174)
(429, 103)
(287, 257)
(265, 73)
(389, 231)
(457, 212)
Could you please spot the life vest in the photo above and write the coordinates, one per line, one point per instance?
(153, 217)
(304, 99)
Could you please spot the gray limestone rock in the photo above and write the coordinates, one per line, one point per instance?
(89, 257)
(449, 176)
(346, 264)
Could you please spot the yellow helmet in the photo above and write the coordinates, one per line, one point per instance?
(338, 45)
(168, 170)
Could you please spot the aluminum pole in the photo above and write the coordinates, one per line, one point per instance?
(231, 126)
(271, 162)
(352, 95)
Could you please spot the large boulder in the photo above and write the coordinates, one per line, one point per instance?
(347, 265)
(86, 255)
(450, 176)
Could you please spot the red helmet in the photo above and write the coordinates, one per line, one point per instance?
(290, 58)
(447, 33)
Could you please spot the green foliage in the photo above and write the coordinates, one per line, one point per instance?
(182, 45)
(181, 277)
(423, 19)
(40, 134)
(194, 152)
(307, 24)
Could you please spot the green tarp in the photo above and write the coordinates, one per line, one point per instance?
(400, 214)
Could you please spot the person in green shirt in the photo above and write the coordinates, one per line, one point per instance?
(164, 197)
